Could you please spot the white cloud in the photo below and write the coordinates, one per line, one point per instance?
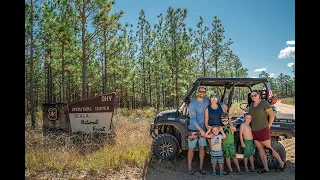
(260, 70)
(291, 42)
(253, 77)
(287, 52)
(290, 64)
(272, 75)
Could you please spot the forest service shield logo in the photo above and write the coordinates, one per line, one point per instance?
(53, 114)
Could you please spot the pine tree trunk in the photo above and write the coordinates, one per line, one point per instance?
(33, 117)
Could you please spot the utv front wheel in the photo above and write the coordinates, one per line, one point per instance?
(272, 163)
(165, 146)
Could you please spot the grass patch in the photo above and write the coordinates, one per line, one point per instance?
(290, 101)
(130, 146)
(235, 109)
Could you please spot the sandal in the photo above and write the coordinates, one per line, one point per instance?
(262, 170)
(279, 169)
(239, 172)
(202, 171)
(190, 172)
(252, 170)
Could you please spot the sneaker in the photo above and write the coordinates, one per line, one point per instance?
(246, 170)
(221, 173)
(214, 173)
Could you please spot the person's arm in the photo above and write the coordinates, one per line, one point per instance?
(231, 125)
(222, 132)
(270, 112)
(223, 106)
(193, 115)
(232, 131)
(206, 119)
(241, 135)
(271, 116)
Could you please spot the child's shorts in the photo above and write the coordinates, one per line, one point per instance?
(217, 157)
(249, 149)
(229, 150)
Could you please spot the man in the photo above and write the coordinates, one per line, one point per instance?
(197, 128)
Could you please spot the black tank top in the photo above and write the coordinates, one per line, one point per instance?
(215, 116)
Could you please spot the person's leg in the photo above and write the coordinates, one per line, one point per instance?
(214, 161)
(245, 157)
(251, 163)
(249, 152)
(202, 144)
(236, 162)
(228, 162)
(275, 154)
(221, 164)
(245, 162)
(262, 154)
(201, 156)
(191, 146)
(233, 155)
(214, 172)
(221, 169)
(190, 157)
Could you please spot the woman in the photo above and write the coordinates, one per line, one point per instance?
(262, 119)
(213, 113)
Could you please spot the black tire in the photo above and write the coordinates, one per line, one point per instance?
(272, 163)
(165, 146)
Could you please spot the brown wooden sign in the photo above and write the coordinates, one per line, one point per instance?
(92, 115)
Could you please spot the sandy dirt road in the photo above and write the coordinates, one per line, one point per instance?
(285, 108)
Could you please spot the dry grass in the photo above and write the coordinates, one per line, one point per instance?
(235, 109)
(290, 101)
(128, 147)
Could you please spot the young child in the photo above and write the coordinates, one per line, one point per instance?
(228, 147)
(216, 149)
(247, 142)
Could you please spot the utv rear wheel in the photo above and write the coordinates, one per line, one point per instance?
(165, 146)
(272, 163)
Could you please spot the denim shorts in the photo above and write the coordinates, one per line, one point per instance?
(193, 142)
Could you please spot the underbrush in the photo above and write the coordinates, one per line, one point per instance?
(128, 145)
(290, 101)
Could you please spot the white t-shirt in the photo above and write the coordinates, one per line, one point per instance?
(216, 142)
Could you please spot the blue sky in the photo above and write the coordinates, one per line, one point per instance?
(260, 29)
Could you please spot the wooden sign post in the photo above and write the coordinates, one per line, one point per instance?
(92, 115)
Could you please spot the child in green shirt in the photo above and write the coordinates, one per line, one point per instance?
(228, 144)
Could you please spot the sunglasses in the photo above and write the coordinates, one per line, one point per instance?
(255, 95)
(214, 98)
(202, 91)
(224, 120)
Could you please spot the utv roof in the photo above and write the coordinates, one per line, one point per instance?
(238, 82)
